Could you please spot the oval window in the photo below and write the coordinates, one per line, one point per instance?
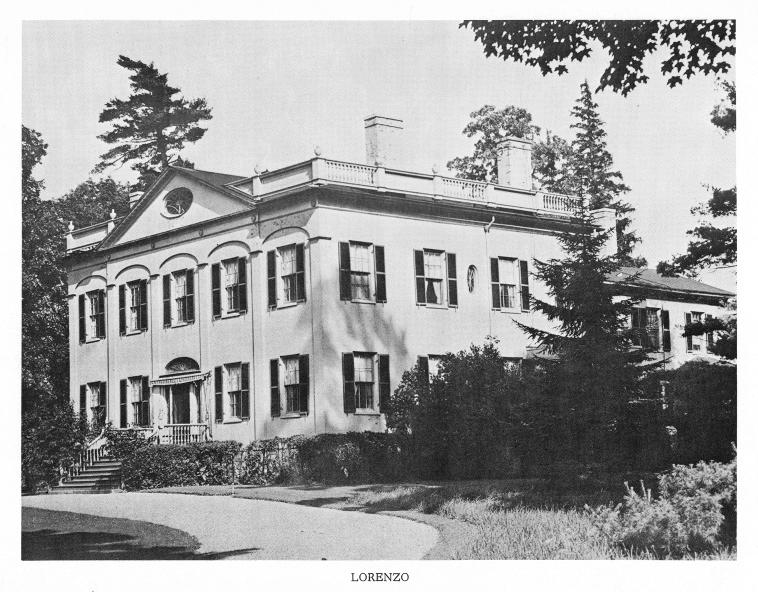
(177, 201)
(471, 277)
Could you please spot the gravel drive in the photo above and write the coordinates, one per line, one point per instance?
(258, 529)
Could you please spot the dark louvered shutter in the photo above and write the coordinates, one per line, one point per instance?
(304, 389)
(666, 331)
(524, 267)
(122, 309)
(167, 300)
(216, 289)
(452, 280)
(709, 334)
(688, 321)
(418, 262)
(495, 280)
(102, 400)
(381, 274)
(245, 395)
(300, 271)
(384, 382)
(143, 305)
(100, 319)
(144, 404)
(344, 256)
(122, 403)
(276, 405)
(218, 384)
(348, 383)
(83, 401)
(423, 367)
(636, 323)
(271, 274)
(189, 307)
(82, 320)
(242, 284)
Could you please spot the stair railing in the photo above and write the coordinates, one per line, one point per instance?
(93, 451)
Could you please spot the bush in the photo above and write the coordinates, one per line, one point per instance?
(201, 463)
(687, 517)
(122, 444)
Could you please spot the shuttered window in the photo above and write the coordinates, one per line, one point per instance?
(436, 277)
(362, 273)
(366, 381)
(229, 287)
(296, 383)
(133, 310)
(91, 315)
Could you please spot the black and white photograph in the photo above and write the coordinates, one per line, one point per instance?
(377, 291)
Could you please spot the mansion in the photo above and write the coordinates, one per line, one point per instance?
(292, 301)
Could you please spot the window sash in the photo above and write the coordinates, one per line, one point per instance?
(508, 296)
(364, 380)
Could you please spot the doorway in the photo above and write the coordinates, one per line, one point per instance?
(180, 403)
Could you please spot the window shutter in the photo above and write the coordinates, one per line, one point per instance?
(271, 273)
(423, 366)
(384, 382)
(300, 268)
(418, 259)
(190, 299)
(122, 309)
(276, 405)
(709, 334)
(666, 331)
(122, 402)
(687, 321)
(304, 370)
(636, 334)
(452, 280)
(242, 284)
(83, 401)
(381, 275)
(167, 300)
(245, 395)
(348, 380)
(216, 289)
(143, 305)
(82, 320)
(344, 257)
(218, 376)
(103, 396)
(524, 265)
(101, 314)
(495, 278)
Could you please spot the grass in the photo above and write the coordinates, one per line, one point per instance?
(512, 520)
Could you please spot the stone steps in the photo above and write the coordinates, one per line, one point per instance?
(103, 476)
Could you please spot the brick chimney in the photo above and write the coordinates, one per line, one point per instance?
(383, 141)
(514, 163)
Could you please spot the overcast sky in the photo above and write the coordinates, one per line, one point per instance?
(279, 89)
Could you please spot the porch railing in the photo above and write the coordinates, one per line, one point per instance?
(182, 433)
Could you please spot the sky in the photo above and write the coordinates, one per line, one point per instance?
(277, 89)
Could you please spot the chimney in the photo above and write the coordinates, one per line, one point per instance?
(383, 141)
(134, 197)
(514, 163)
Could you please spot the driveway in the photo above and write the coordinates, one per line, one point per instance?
(258, 529)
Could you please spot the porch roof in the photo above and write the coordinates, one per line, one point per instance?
(181, 379)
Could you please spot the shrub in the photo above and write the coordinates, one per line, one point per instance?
(122, 444)
(687, 517)
(201, 463)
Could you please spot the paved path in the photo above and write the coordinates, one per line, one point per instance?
(264, 529)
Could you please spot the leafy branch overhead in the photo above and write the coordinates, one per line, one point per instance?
(151, 127)
(690, 46)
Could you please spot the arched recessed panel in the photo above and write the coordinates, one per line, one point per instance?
(289, 232)
(182, 365)
(133, 272)
(230, 249)
(179, 261)
(91, 282)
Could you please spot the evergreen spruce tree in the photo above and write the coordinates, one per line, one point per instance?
(152, 126)
(590, 168)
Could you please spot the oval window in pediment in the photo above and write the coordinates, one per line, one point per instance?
(177, 202)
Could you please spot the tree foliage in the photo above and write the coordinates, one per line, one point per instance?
(689, 47)
(150, 127)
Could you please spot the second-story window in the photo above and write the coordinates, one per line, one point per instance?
(229, 293)
(436, 278)
(286, 275)
(92, 315)
(510, 284)
(132, 304)
(362, 272)
(179, 298)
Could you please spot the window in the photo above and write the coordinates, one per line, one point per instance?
(233, 301)
(295, 377)
(286, 275)
(232, 390)
(510, 283)
(695, 343)
(362, 272)
(134, 393)
(97, 402)
(366, 381)
(436, 278)
(179, 298)
(646, 328)
(430, 365)
(92, 315)
(132, 304)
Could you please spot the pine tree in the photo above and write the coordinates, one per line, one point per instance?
(589, 370)
(590, 167)
(152, 126)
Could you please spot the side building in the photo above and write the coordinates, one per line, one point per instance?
(290, 302)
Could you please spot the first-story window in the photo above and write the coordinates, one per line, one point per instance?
(92, 315)
(646, 328)
(97, 402)
(132, 304)
(695, 343)
(293, 373)
(436, 278)
(134, 401)
(366, 382)
(232, 388)
(430, 365)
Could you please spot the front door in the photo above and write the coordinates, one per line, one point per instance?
(180, 403)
